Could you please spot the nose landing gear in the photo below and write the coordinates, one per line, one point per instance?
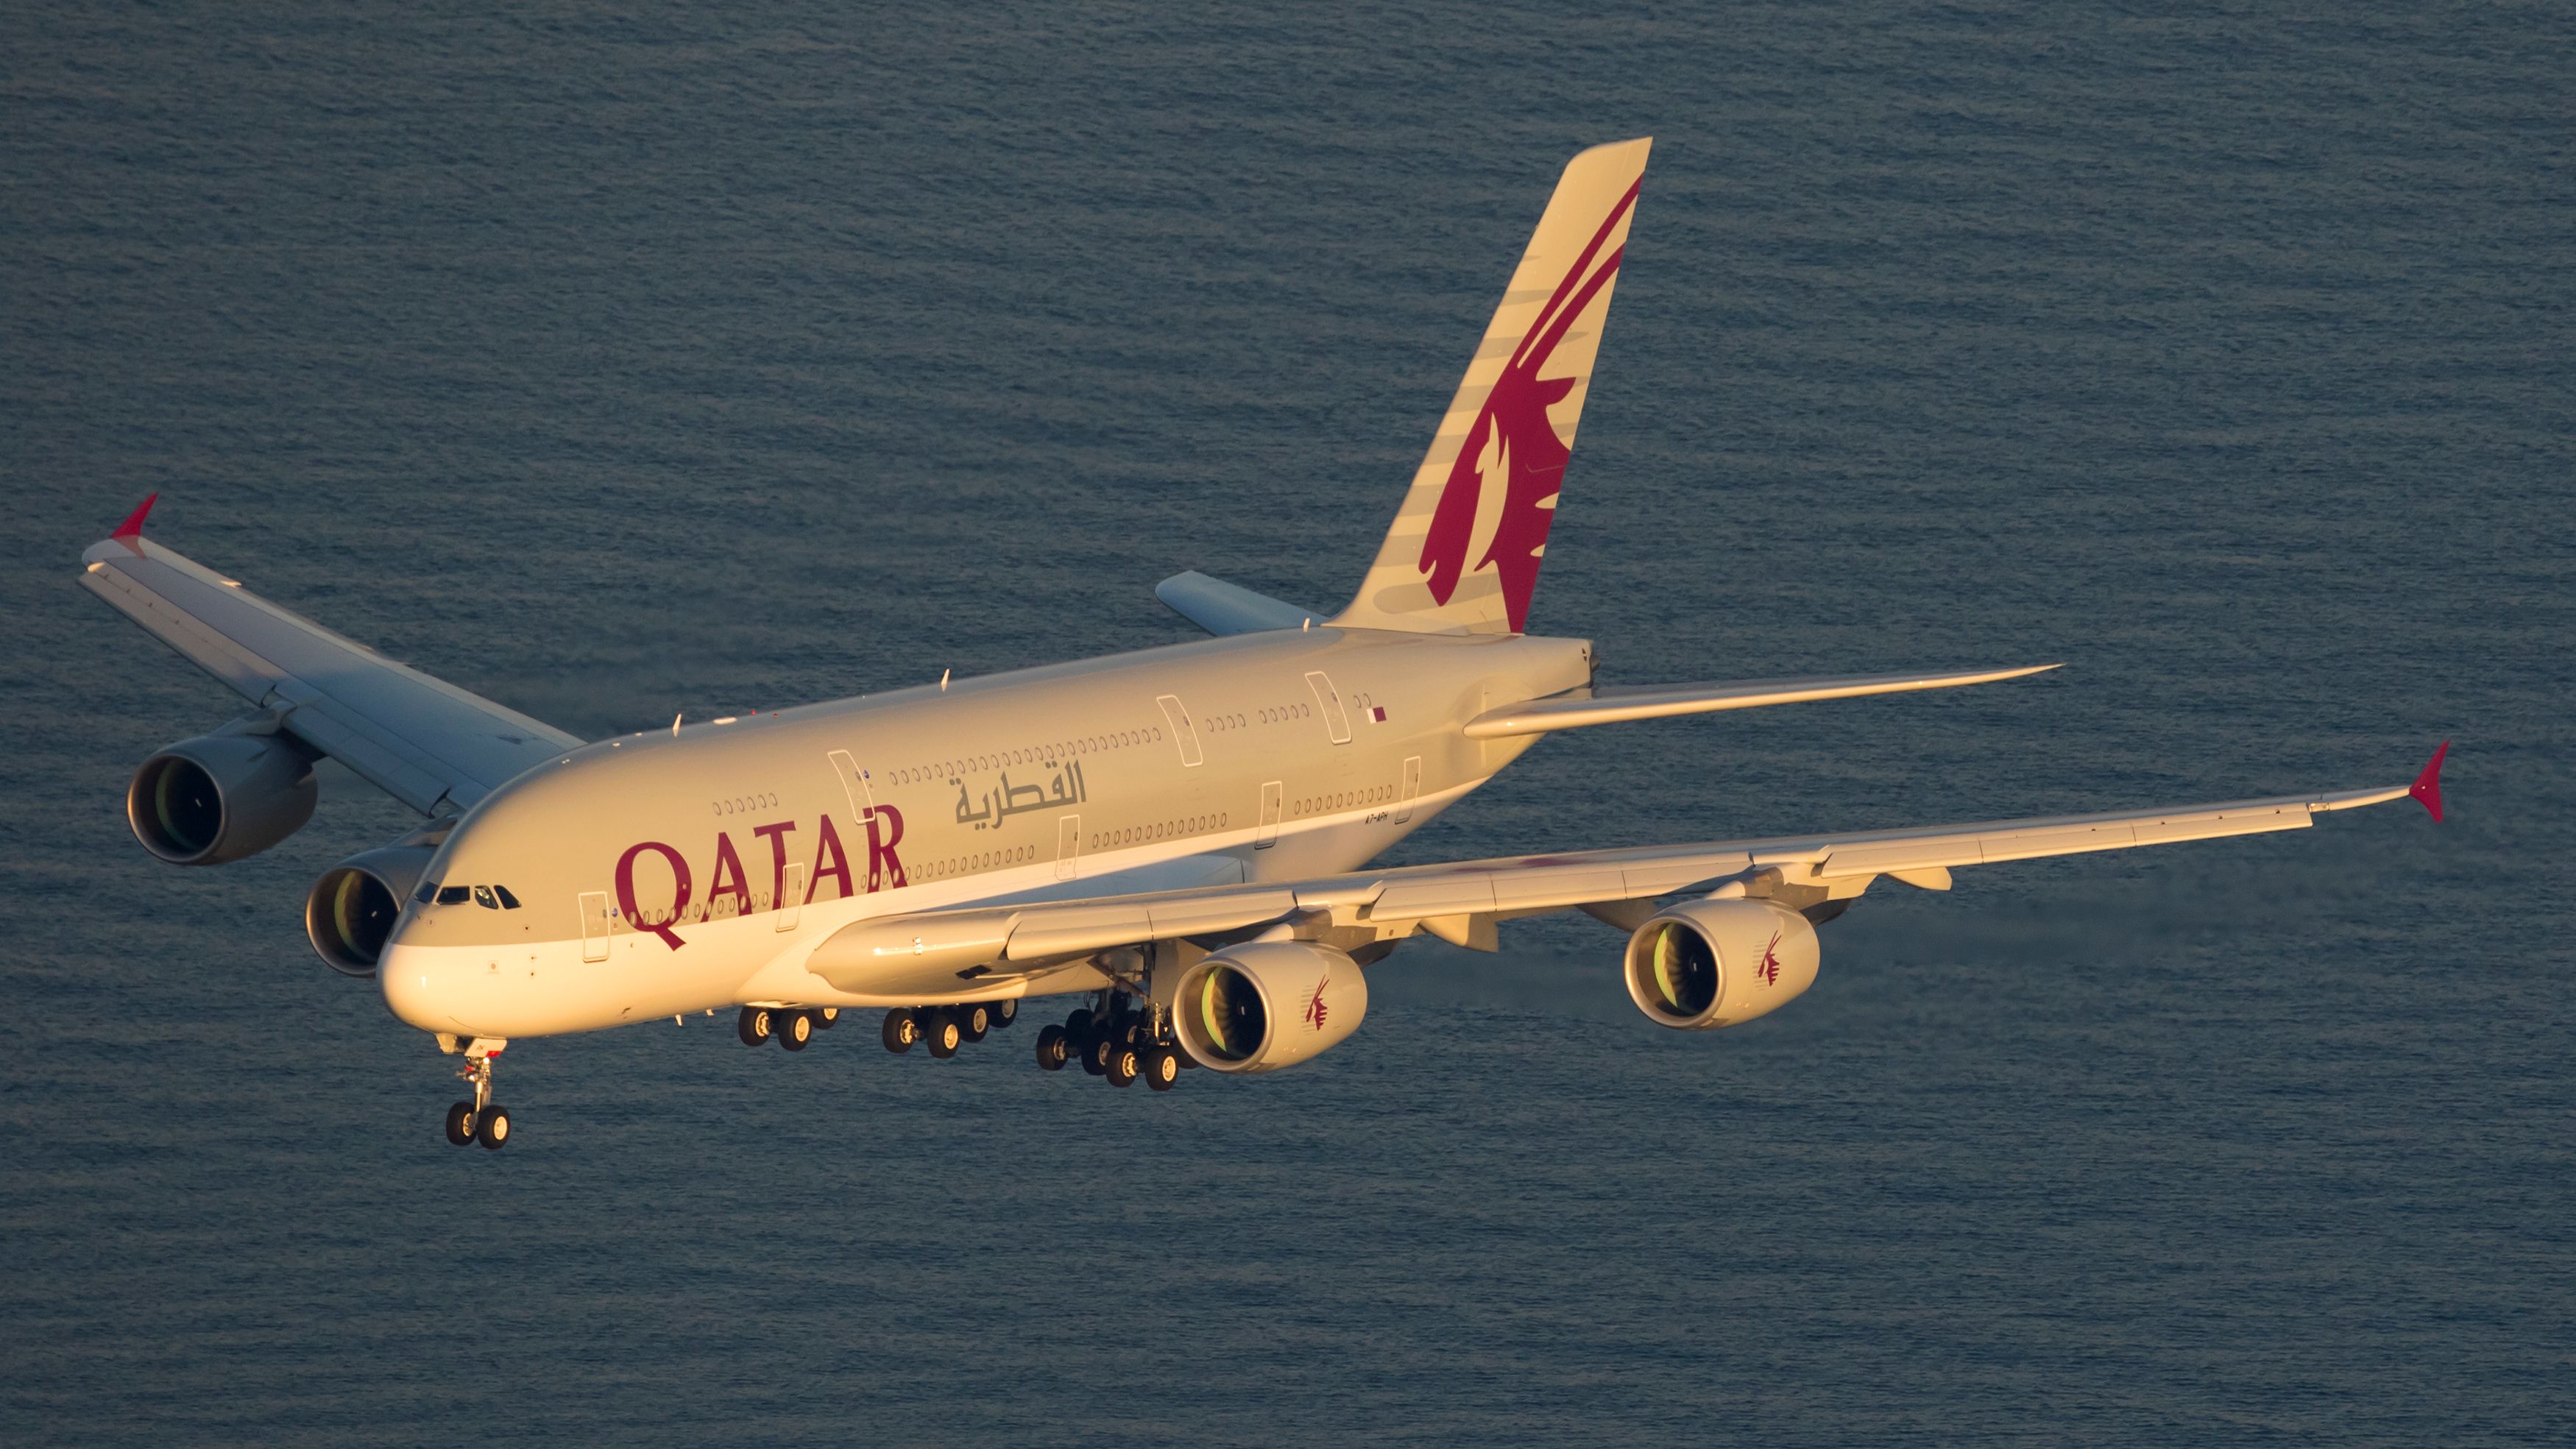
(480, 1120)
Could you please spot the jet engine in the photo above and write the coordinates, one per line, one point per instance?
(350, 912)
(1707, 964)
(1264, 1005)
(220, 797)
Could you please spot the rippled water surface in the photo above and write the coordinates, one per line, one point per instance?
(620, 361)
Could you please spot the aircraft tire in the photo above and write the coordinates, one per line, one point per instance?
(460, 1124)
(1124, 1067)
(1077, 1028)
(494, 1130)
(975, 1020)
(944, 1033)
(826, 1017)
(902, 1029)
(1006, 1011)
(1051, 1048)
(794, 1029)
(1162, 1068)
(1095, 1054)
(753, 1025)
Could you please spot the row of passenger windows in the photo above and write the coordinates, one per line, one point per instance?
(1138, 834)
(1028, 755)
(982, 860)
(1316, 805)
(701, 910)
(740, 803)
(490, 898)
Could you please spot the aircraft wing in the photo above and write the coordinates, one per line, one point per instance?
(1460, 901)
(423, 741)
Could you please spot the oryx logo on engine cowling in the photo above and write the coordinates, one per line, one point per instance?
(728, 880)
(1315, 1004)
(1769, 969)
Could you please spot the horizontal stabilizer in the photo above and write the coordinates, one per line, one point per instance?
(1577, 708)
(1222, 608)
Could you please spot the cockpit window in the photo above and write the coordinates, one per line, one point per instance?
(483, 898)
(509, 902)
(453, 896)
(428, 892)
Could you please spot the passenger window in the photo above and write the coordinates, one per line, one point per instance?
(483, 898)
(428, 892)
(509, 902)
(453, 896)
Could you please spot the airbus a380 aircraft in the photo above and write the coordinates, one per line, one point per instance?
(1177, 838)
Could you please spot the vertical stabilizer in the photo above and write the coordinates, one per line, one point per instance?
(1464, 552)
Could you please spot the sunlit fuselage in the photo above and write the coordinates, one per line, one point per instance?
(665, 873)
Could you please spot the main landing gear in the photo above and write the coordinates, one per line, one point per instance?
(945, 1028)
(1117, 1039)
(481, 1120)
(790, 1027)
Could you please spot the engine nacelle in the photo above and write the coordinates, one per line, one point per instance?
(1264, 1005)
(220, 797)
(350, 912)
(1707, 964)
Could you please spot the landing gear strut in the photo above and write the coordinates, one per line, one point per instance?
(481, 1120)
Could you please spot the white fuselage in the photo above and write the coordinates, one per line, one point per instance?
(682, 871)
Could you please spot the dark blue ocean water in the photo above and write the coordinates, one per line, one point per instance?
(615, 361)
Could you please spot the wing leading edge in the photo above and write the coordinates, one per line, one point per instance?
(425, 742)
(1442, 899)
(1577, 708)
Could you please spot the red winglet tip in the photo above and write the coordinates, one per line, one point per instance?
(2428, 786)
(132, 527)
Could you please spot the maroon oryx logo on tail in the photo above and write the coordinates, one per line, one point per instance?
(1513, 449)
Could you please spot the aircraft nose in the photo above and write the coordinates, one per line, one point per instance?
(411, 979)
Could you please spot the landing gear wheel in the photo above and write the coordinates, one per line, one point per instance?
(827, 1017)
(1124, 1066)
(753, 1025)
(1095, 1055)
(945, 1035)
(1162, 1068)
(1006, 1012)
(494, 1130)
(975, 1020)
(1077, 1027)
(1051, 1052)
(794, 1028)
(460, 1124)
(902, 1029)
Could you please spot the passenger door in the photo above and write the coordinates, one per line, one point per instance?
(1068, 846)
(595, 922)
(1329, 700)
(1274, 799)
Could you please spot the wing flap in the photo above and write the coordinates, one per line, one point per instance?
(420, 739)
(1578, 708)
